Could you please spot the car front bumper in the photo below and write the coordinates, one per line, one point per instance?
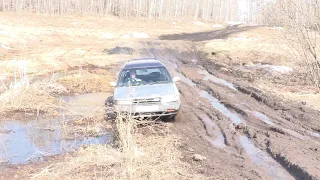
(149, 110)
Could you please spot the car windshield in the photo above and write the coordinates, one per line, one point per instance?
(144, 76)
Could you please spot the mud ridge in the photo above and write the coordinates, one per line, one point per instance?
(252, 93)
(295, 170)
(236, 109)
(278, 130)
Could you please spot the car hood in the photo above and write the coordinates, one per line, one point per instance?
(145, 91)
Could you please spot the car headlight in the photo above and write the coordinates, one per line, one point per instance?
(168, 99)
(123, 102)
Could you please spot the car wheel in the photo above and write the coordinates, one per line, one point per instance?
(170, 118)
(109, 109)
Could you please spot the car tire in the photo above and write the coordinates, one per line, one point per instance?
(109, 109)
(170, 118)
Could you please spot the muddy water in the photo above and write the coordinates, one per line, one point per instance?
(216, 80)
(220, 107)
(263, 160)
(314, 134)
(263, 117)
(215, 137)
(215, 102)
(23, 141)
(258, 157)
(33, 140)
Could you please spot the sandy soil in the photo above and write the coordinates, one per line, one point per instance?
(239, 117)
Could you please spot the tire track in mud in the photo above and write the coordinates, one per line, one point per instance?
(259, 157)
(295, 170)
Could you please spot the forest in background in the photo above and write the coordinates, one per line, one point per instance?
(301, 18)
(208, 10)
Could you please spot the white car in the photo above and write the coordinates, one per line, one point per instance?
(145, 89)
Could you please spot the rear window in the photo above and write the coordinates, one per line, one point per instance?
(147, 71)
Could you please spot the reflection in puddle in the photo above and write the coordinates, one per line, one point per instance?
(263, 160)
(32, 140)
(215, 137)
(314, 134)
(220, 107)
(263, 117)
(214, 79)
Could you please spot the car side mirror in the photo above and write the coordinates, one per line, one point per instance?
(175, 79)
(112, 84)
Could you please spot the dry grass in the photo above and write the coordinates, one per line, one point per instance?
(85, 126)
(94, 162)
(38, 96)
(148, 152)
(86, 82)
(31, 98)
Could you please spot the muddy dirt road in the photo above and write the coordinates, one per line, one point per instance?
(243, 132)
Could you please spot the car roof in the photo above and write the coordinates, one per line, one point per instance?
(142, 63)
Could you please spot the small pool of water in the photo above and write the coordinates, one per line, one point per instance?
(215, 137)
(263, 117)
(222, 108)
(216, 80)
(314, 134)
(29, 139)
(262, 159)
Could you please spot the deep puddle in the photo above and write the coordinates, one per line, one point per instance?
(263, 160)
(23, 141)
(215, 137)
(216, 80)
(220, 107)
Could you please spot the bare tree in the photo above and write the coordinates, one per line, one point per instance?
(301, 19)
